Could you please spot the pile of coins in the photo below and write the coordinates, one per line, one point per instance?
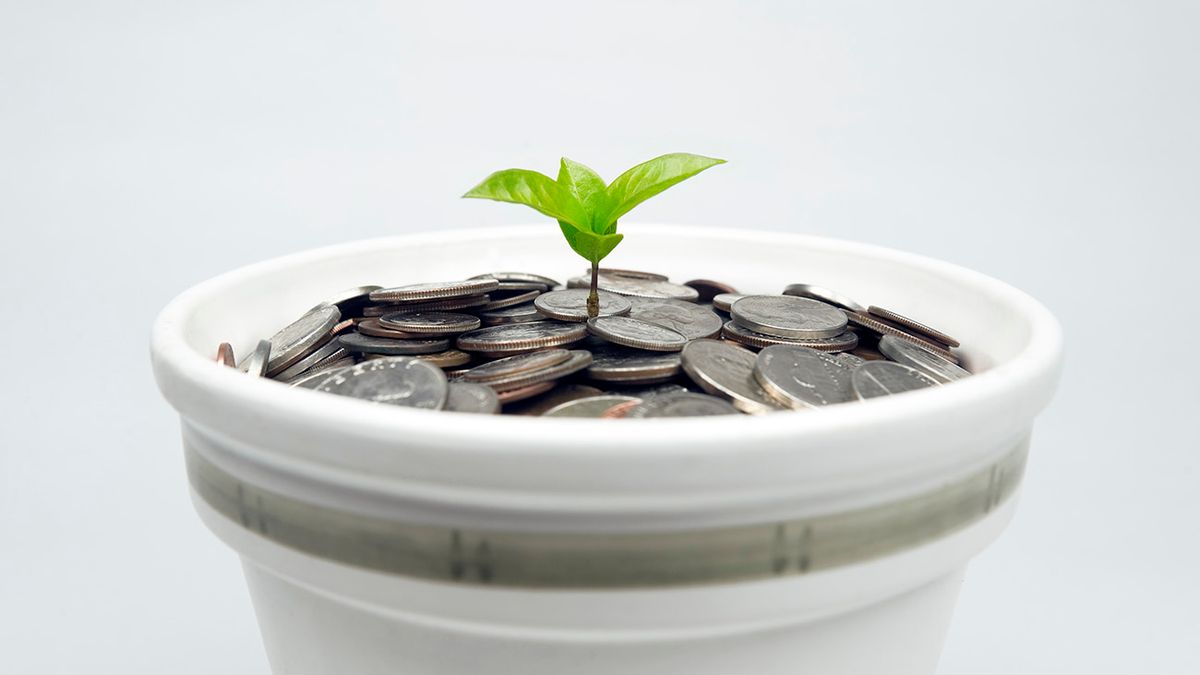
(523, 344)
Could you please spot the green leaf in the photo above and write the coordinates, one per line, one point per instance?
(650, 178)
(520, 186)
(591, 246)
(588, 187)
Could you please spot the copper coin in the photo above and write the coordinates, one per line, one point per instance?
(225, 355)
(513, 395)
(709, 289)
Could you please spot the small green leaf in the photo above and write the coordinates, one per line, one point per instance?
(589, 245)
(650, 178)
(520, 186)
(588, 188)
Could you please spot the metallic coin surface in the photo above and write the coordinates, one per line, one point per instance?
(519, 314)
(472, 398)
(632, 274)
(633, 366)
(449, 305)
(681, 405)
(579, 359)
(520, 337)
(369, 344)
(513, 365)
(724, 301)
(316, 376)
(923, 360)
(520, 277)
(630, 332)
(639, 287)
(374, 328)
(621, 410)
(500, 300)
(571, 304)
(225, 355)
(727, 370)
(301, 336)
(915, 326)
(788, 316)
(592, 406)
(350, 301)
(852, 360)
(513, 395)
(430, 323)
(330, 351)
(451, 358)
(824, 295)
(882, 378)
(709, 289)
(396, 380)
(879, 327)
(845, 341)
(534, 407)
(803, 378)
(434, 291)
(692, 320)
(256, 363)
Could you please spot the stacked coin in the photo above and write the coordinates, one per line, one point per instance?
(522, 344)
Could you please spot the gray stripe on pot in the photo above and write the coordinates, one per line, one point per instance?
(545, 560)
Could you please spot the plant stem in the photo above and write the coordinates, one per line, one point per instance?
(593, 301)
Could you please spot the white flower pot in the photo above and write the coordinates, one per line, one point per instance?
(379, 539)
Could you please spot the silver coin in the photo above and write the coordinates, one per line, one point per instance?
(923, 360)
(630, 332)
(301, 336)
(579, 359)
(852, 360)
(560, 394)
(316, 376)
(512, 365)
(803, 378)
(639, 287)
(447, 305)
(520, 277)
(726, 370)
(472, 398)
(880, 327)
(369, 344)
(843, 342)
(256, 363)
(633, 274)
(913, 325)
(824, 295)
(500, 301)
(709, 289)
(692, 320)
(520, 314)
(633, 366)
(434, 291)
(571, 304)
(788, 316)
(724, 301)
(521, 337)
(882, 378)
(395, 380)
(330, 351)
(592, 406)
(349, 301)
(374, 328)
(430, 323)
(681, 405)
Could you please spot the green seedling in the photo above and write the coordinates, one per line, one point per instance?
(586, 209)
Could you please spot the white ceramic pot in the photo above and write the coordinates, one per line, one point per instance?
(378, 539)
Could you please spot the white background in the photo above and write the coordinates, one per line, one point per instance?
(147, 146)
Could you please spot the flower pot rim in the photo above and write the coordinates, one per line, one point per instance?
(201, 391)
